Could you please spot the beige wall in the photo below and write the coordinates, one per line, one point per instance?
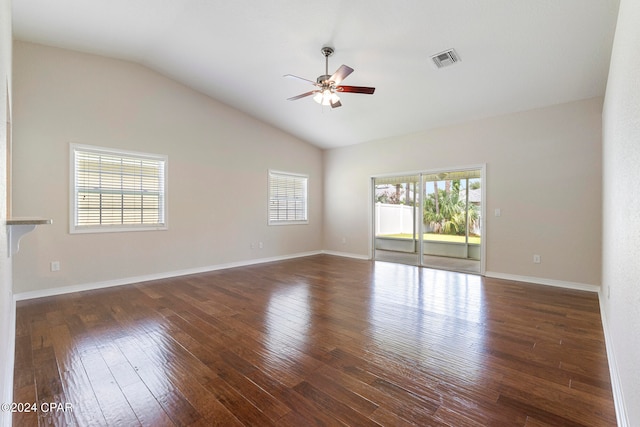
(543, 172)
(218, 164)
(7, 313)
(621, 209)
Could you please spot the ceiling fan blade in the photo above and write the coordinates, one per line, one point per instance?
(291, 76)
(356, 89)
(302, 95)
(341, 74)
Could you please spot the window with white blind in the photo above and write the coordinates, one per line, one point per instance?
(115, 190)
(287, 198)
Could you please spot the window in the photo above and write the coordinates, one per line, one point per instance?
(287, 198)
(114, 190)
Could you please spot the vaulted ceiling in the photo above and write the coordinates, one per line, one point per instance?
(515, 54)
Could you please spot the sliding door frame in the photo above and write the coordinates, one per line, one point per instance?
(483, 209)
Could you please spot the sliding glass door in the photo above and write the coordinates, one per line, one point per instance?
(396, 215)
(431, 219)
(452, 231)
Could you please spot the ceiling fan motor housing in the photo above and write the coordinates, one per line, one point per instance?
(323, 78)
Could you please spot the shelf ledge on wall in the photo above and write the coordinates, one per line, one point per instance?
(18, 227)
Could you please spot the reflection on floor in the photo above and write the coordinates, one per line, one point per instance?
(462, 265)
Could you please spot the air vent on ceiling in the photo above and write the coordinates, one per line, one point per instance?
(446, 58)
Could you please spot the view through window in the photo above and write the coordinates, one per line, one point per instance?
(432, 219)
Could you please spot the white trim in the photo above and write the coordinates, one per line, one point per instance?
(277, 222)
(169, 274)
(543, 281)
(616, 384)
(482, 167)
(613, 370)
(483, 225)
(6, 418)
(165, 275)
(347, 255)
(75, 229)
(158, 276)
(370, 217)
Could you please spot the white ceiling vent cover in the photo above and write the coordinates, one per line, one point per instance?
(446, 58)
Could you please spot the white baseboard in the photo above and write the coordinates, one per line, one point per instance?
(165, 275)
(8, 391)
(347, 255)
(7, 387)
(616, 385)
(157, 276)
(543, 281)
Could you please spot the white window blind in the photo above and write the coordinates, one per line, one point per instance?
(287, 198)
(117, 190)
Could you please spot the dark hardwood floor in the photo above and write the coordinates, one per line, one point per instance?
(320, 340)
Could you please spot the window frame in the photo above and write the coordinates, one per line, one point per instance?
(278, 222)
(74, 228)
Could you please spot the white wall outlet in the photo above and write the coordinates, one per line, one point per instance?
(497, 212)
(55, 265)
(260, 245)
(252, 245)
(344, 240)
(536, 259)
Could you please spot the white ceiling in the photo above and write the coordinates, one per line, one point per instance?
(516, 54)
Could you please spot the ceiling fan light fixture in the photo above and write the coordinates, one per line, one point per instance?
(326, 97)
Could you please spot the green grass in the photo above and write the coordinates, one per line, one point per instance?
(436, 237)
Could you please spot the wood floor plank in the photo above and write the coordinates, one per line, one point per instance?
(341, 392)
(319, 340)
(79, 392)
(224, 364)
(555, 399)
(336, 408)
(113, 403)
(151, 367)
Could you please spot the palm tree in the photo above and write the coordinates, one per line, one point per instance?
(446, 212)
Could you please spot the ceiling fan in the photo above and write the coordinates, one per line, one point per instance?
(328, 86)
